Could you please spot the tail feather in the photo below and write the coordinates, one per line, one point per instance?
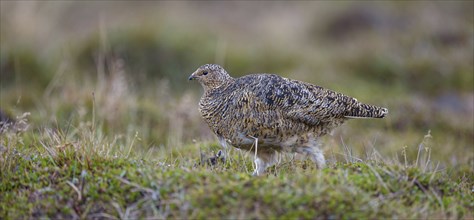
(366, 111)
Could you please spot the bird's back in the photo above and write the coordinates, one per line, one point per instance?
(275, 109)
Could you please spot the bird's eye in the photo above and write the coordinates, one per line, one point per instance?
(204, 73)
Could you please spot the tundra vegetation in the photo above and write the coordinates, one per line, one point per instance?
(99, 120)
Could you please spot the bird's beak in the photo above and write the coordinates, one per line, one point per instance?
(193, 76)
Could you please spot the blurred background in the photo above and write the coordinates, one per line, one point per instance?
(124, 65)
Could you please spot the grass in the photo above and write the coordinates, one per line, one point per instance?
(77, 173)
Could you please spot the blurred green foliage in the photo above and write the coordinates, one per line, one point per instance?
(149, 54)
(23, 66)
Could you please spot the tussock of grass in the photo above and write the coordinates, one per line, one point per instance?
(80, 174)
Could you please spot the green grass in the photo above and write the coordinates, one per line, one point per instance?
(79, 173)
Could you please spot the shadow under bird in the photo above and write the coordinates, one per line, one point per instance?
(267, 113)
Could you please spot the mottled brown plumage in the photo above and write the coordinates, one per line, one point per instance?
(266, 113)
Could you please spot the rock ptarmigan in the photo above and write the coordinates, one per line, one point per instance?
(267, 113)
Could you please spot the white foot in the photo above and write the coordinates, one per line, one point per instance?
(316, 156)
(260, 166)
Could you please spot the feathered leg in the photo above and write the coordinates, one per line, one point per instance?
(263, 161)
(313, 151)
(224, 146)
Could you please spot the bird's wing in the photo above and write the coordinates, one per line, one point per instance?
(299, 101)
(317, 105)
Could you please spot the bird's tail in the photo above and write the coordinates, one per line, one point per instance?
(361, 110)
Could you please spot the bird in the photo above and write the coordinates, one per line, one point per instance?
(266, 113)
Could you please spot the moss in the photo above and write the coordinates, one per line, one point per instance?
(347, 190)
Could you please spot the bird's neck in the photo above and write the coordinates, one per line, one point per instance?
(218, 84)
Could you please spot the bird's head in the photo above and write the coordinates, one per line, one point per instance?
(211, 76)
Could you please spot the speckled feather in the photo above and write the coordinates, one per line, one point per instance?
(282, 114)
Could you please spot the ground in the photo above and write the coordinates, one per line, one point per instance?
(57, 175)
